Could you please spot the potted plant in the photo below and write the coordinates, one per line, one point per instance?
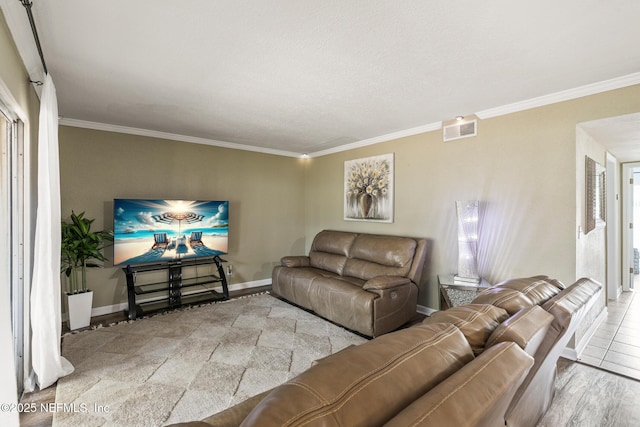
(80, 247)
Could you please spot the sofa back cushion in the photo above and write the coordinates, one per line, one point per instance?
(376, 255)
(368, 384)
(509, 299)
(329, 250)
(476, 321)
(538, 290)
(555, 282)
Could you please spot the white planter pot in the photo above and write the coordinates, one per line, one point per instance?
(79, 306)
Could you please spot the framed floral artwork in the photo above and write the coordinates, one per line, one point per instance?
(595, 195)
(368, 189)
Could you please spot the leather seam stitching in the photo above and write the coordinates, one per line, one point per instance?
(347, 394)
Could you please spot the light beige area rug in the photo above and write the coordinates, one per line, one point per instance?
(186, 365)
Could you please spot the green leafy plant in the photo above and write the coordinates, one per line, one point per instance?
(80, 247)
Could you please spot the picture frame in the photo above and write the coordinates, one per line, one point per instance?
(368, 189)
(595, 195)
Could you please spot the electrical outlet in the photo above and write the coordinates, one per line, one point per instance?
(229, 270)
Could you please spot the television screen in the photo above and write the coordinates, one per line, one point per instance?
(151, 231)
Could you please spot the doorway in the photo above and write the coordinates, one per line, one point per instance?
(620, 138)
(614, 344)
(631, 225)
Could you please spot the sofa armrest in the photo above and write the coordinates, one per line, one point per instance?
(380, 283)
(295, 261)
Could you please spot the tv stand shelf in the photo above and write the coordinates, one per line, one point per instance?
(182, 284)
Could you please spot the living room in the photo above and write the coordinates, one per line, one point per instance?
(525, 166)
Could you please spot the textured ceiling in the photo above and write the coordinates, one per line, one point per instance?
(620, 135)
(305, 76)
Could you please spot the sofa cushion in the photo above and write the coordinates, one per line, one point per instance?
(527, 328)
(538, 290)
(372, 256)
(294, 284)
(555, 282)
(509, 299)
(476, 395)
(329, 262)
(368, 384)
(329, 250)
(476, 321)
(343, 302)
(391, 251)
(333, 242)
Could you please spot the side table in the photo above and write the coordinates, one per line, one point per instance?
(454, 293)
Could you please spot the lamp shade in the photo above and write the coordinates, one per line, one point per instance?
(467, 212)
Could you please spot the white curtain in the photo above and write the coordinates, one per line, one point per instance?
(46, 317)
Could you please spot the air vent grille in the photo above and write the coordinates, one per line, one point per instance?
(460, 130)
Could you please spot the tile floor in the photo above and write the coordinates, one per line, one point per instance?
(616, 344)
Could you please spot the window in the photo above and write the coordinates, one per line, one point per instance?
(11, 228)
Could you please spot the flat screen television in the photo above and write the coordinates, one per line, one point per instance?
(153, 231)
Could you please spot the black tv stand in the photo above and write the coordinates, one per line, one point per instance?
(184, 283)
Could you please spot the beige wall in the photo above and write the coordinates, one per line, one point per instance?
(591, 250)
(591, 247)
(265, 194)
(522, 169)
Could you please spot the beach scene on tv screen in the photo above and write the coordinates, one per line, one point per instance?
(150, 231)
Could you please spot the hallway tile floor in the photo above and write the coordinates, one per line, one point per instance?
(616, 344)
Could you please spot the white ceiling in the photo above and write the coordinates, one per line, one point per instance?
(620, 135)
(301, 76)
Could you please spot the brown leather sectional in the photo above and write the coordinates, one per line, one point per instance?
(488, 363)
(365, 282)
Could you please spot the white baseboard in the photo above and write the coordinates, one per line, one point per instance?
(569, 353)
(427, 311)
(590, 332)
(575, 353)
(108, 309)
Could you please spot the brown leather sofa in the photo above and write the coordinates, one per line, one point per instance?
(488, 363)
(365, 282)
(423, 375)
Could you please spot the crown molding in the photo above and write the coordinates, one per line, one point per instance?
(17, 22)
(565, 95)
(378, 139)
(171, 136)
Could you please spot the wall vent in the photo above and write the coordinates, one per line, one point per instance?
(460, 130)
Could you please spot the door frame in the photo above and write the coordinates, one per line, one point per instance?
(627, 223)
(614, 269)
(18, 159)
